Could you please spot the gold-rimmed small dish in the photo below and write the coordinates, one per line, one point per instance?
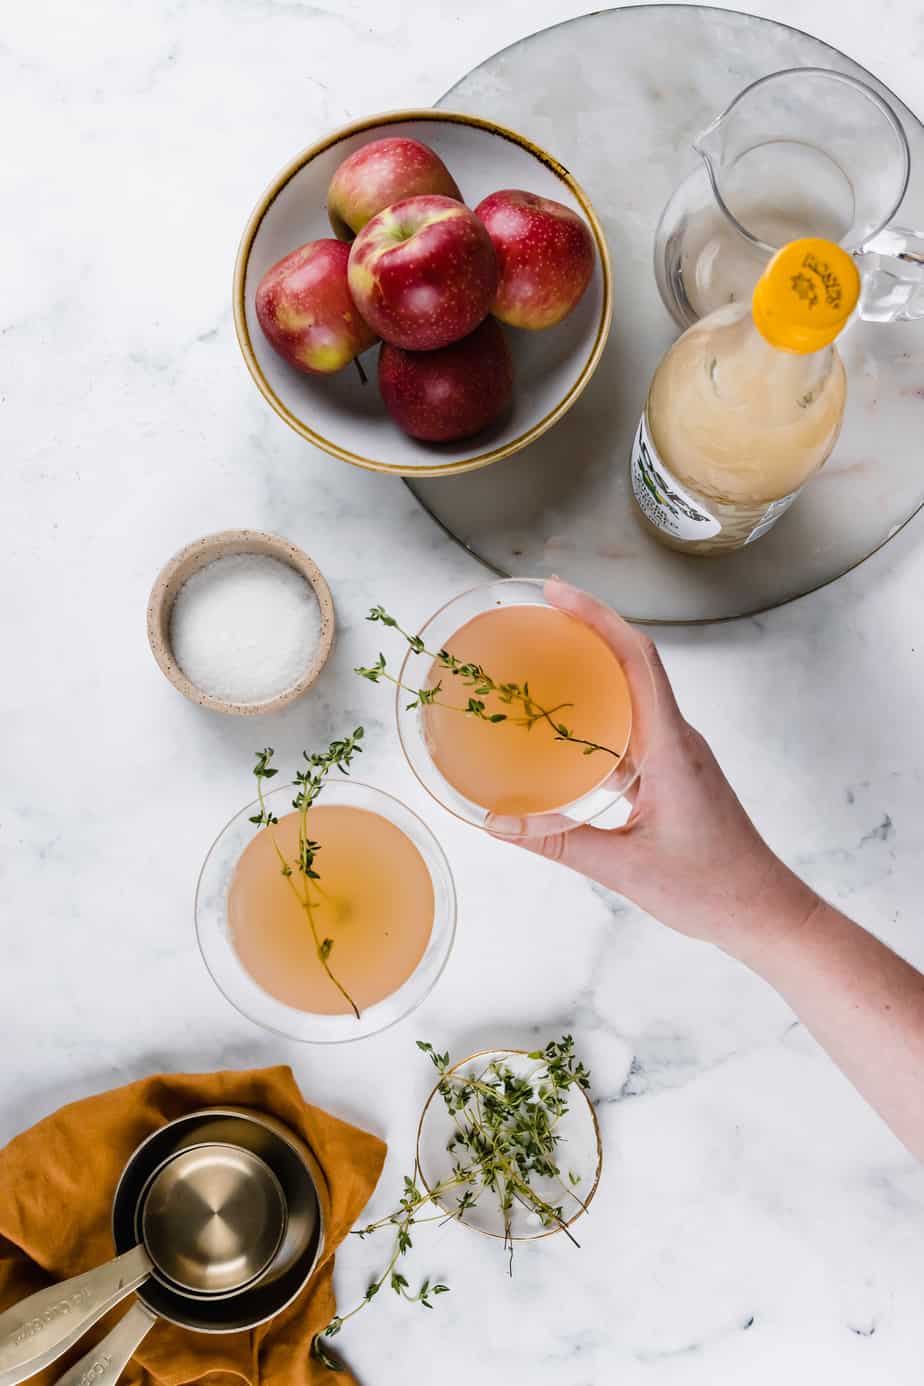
(580, 1145)
(197, 555)
(347, 418)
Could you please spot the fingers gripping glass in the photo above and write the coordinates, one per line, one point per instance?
(519, 706)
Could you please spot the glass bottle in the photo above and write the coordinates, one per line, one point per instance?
(747, 405)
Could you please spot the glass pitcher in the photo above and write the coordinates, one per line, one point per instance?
(803, 152)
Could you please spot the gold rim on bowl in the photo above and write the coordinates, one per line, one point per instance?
(499, 1236)
(357, 127)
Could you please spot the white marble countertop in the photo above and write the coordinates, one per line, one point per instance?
(756, 1222)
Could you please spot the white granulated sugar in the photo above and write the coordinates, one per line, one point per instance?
(245, 627)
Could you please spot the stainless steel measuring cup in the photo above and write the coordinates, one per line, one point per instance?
(212, 1219)
(30, 1340)
(803, 152)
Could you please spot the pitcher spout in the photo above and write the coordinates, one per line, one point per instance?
(709, 142)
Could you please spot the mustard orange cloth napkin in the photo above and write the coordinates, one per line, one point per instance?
(57, 1182)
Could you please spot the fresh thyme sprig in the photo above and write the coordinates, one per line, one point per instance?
(309, 783)
(505, 1135)
(474, 676)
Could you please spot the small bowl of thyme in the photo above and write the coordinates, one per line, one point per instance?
(508, 1144)
(532, 1110)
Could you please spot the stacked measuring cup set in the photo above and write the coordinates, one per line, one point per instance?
(218, 1223)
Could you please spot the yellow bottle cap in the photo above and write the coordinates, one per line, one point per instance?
(805, 295)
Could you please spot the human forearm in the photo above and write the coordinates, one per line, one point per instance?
(861, 1001)
(690, 855)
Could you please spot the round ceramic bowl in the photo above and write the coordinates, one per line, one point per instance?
(607, 803)
(581, 1147)
(195, 556)
(236, 983)
(347, 418)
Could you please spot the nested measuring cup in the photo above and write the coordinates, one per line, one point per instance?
(803, 152)
(34, 1332)
(211, 1220)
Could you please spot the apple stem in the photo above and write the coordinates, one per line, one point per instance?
(362, 374)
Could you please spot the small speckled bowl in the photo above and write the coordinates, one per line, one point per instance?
(195, 556)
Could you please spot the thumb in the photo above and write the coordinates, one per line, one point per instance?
(594, 852)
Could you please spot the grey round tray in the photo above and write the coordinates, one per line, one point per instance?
(617, 96)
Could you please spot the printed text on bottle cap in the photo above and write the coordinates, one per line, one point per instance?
(806, 294)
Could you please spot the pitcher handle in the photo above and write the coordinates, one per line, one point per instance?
(892, 265)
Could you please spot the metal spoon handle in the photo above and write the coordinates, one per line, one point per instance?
(38, 1329)
(105, 1363)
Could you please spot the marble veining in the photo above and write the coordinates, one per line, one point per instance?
(755, 1221)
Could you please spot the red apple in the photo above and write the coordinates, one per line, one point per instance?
(545, 254)
(380, 173)
(451, 392)
(423, 272)
(306, 310)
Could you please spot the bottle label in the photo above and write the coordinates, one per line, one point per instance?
(661, 498)
(770, 516)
